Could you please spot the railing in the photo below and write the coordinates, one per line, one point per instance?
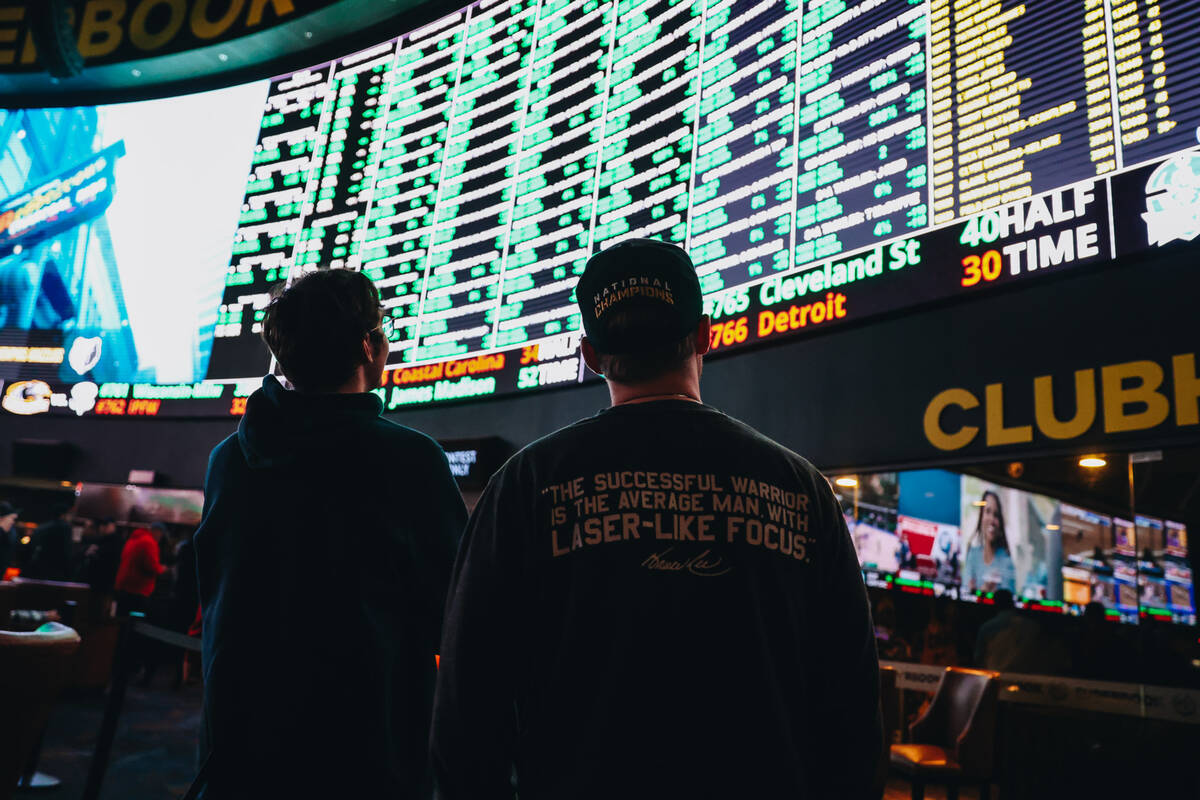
(131, 626)
(1128, 699)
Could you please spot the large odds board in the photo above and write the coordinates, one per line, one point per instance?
(822, 161)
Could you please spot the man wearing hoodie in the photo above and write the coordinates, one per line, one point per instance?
(323, 558)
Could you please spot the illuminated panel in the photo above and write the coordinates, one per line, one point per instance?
(277, 190)
(404, 155)
(1011, 116)
(739, 219)
(798, 150)
(821, 160)
(860, 163)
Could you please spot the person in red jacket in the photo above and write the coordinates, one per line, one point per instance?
(138, 572)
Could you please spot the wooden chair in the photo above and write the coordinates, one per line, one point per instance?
(954, 740)
(87, 611)
(34, 667)
(889, 701)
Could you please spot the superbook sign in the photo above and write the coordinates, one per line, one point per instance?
(111, 31)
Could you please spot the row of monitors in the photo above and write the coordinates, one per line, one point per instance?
(941, 533)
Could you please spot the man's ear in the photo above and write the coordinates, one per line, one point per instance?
(590, 357)
(704, 335)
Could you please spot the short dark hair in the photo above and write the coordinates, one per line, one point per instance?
(648, 365)
(315, 326)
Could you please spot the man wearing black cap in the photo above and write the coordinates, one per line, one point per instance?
(102, 558)
(657, 601)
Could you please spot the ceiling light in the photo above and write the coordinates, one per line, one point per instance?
(1092, 462)
(1053, 527)
(979, 503)
(849, 482)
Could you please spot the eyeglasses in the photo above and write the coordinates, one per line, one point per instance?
(387, 327)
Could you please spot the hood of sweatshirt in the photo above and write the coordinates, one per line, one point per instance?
(280, 425)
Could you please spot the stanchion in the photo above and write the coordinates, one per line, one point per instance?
(112, 712)
(131, 626)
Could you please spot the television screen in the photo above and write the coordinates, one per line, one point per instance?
(115, 229)
(1176, 535)
(1078, 586)
(928, 524)
(1084, 534)
(1104, 591)
(1124, 537)
(1010, 540)
(1152, 592)
(871, 520)
(1125, 585)
(1181, 596)
(942, 533)
(1086, 539)
(931, 548)
(1149, 535)
(1177, 571)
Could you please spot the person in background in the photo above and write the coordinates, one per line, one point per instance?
(323, 556)
(51, 559)
(889, 639)
(1014, 641)
(102, 556)
(158, 609)
(184, 594)
(1099, 653)
(8, 524)
(138, 571)
(185, 600)
(988, 565)
(939, 646)
(657, 601)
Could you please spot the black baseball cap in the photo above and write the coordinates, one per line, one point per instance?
(7, 508)
(648, 275)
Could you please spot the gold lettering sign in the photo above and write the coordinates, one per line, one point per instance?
(109, 31)
(1125, 397)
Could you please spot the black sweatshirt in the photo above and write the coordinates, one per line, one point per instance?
(657, 602)
(323, 559)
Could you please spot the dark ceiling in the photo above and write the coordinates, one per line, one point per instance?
(338, 29)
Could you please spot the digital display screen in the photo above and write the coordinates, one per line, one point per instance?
(943, 534)
(1176, 538)
(812, 157)
(871, 517)
(1084, 534)
(115, 223)
(1149, 534)
(1010, 541)
(1180, 591)
(1124, 537)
